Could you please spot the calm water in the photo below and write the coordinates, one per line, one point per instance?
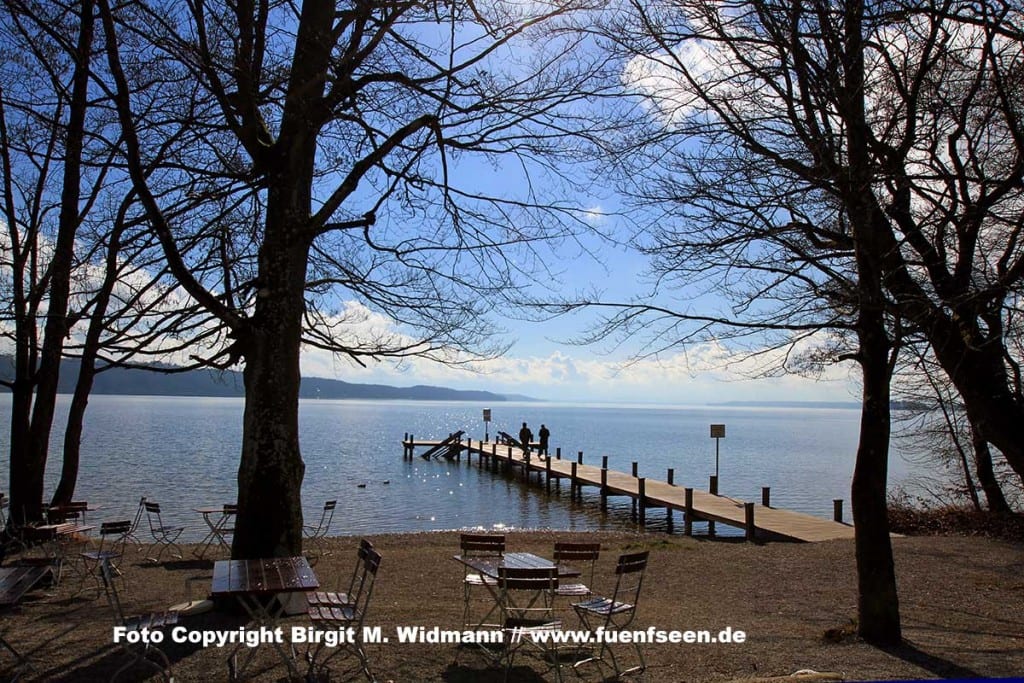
(183, 452)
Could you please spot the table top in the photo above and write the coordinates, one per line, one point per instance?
(16, 581)
(263, 576)
(210, 510)
(489, 564)
(54, 530)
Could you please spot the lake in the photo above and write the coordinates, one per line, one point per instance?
(183, 452)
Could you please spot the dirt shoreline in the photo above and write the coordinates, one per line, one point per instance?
(960, 600)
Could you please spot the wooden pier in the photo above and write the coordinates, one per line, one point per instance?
(759, 521)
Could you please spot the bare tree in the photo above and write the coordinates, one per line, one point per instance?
(48, 143)
(83, 276)
(350, 129)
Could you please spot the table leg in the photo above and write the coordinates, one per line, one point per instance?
(263, 616)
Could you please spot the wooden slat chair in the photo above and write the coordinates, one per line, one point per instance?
(345, 595)
(316, 534)
(577, 555)
(616, 613)
(113, 538)
(338, 618)
(526, 599)
(140, 653)
(479, 545)
(163, 535)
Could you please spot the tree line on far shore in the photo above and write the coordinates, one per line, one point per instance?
(226, 183)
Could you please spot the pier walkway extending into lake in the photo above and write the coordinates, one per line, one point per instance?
(759, 521)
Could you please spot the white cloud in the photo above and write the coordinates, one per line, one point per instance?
(706, 372)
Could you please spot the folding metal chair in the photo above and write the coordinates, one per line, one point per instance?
(113, 538)
(576, 555)
(526, 599)
(146, 622)
(345, 595)
(616, 613)
(316, 534)
(348, 617)
(478, 545)
(164, 536)
(133, 532)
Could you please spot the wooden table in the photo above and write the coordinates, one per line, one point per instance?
(254, 584)
(14, 583)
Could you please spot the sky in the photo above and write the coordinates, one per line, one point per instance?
(542, 362)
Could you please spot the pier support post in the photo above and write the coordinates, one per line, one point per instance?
(604, 462)
(642, 499)
(713, 490)
(688, 519)
(837, 510)
(494, 457)
(547, 474)
(634, 505)
(766, 496)
(604, 489)
(574, 486)
(748, 514)
(579, 457)
(668, 511)
(412, 449)
(558, 453)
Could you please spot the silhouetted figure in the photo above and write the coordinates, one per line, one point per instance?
(525, 437)
(544, 435)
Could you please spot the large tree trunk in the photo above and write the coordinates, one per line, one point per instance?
(986, 474)
(877, 602)
(270, 474)
(978, 372)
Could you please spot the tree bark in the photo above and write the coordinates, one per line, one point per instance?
(269, 522)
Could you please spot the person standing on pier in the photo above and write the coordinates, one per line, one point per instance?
(544, 434)
(525, 437)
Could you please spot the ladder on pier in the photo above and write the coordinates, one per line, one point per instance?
(447, 447)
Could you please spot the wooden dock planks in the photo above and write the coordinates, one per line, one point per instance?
(767, 521)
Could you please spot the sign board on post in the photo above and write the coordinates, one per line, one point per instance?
(717, 432)
(487, 414)
(487, 423)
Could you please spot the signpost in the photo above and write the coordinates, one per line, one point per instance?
(717, 433)
(487, 422)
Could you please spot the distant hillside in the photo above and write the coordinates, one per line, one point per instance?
(229, 384)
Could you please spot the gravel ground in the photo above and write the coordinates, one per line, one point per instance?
(960, 601)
